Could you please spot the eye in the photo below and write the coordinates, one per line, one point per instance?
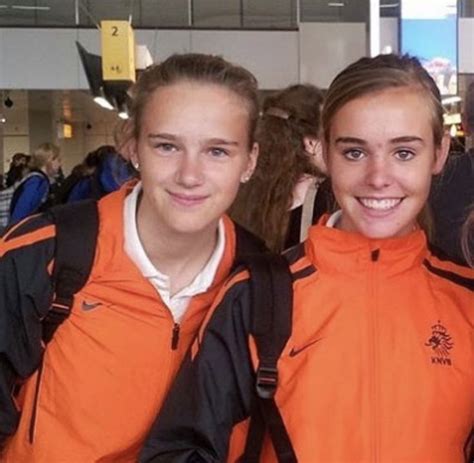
(353, 154)
(218, 152)
(166, 148)
(404, 155)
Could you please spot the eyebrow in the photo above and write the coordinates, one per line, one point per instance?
(360, 141)
(212, 141)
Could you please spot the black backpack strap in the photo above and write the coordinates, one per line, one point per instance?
(271, 323)
(247, 245)
(77, 227)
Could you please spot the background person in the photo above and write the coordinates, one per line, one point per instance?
(289, 171)
(33, 191)
(379, 362)
(453, 192)
(103, 171)
(164, 248)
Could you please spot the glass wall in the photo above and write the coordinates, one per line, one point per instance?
(215, 14)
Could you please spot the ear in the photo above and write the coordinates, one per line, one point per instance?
(129, 151)
(310, 144)
(314, 147)
(441, 154)
(252, 163)
(325, 156)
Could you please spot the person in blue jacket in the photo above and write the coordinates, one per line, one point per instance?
(105, 171)
(33, 191)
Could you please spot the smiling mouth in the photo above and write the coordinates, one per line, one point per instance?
(380, 204)
(187, 200)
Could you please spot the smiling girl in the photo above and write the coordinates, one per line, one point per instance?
(379, 365)
(164, 248)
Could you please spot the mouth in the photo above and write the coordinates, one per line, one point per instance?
(186, 199)
(380, 204)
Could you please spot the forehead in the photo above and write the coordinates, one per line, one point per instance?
(194, 106)
(386, 114)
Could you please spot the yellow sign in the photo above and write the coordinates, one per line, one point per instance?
(118, 51)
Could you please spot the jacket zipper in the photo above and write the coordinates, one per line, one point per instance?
(34, 412)
(175, 337)
(374, 257)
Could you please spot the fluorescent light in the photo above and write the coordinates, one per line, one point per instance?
(336, 4)
(103, 102)
(390, 5)
(25, 7)
(4, 6)
(451, 99)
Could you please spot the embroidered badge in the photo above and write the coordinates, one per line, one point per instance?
(441, 343)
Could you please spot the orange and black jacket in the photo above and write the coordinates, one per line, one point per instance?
(379, 366)
(105, 373)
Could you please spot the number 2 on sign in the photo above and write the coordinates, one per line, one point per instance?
(114, 31)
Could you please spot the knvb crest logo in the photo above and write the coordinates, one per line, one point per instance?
(441, 343)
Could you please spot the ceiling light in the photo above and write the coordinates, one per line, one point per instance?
(3, 119)
(390, 5)
(25, 7)
(123, 115)
(451, 99)
(103, 102)
(336, 4)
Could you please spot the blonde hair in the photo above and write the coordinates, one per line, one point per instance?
(44, 153)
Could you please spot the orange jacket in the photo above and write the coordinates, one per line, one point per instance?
(379, 366)
(109, 365)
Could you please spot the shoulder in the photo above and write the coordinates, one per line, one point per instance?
(236, 297)
(34, 230)
(448, 270)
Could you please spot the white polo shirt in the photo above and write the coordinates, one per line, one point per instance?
(161, 282)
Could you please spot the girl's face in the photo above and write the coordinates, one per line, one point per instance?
(193, 152)
(380, 157)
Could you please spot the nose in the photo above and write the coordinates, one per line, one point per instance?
(378, 174)
(190, 171)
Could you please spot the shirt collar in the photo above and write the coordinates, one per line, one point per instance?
(136, 252)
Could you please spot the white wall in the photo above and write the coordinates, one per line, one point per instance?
(48, 59)
(326, 48)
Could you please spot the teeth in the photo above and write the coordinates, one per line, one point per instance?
(379, 204)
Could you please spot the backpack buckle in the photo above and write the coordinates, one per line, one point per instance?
(267, 381)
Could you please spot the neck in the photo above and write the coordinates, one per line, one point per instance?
(179, 256)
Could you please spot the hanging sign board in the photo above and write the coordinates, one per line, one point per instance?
(118, 51)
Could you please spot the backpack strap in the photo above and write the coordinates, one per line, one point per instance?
(247, 245)
(77, 227)
(271, 324)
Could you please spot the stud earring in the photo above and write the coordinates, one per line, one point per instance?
(245, 178)
(136, 166)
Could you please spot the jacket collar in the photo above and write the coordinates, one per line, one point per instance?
(331, 248)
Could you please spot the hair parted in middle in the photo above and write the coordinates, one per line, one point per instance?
(263, 204)
(190, 67)
(382, 72)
